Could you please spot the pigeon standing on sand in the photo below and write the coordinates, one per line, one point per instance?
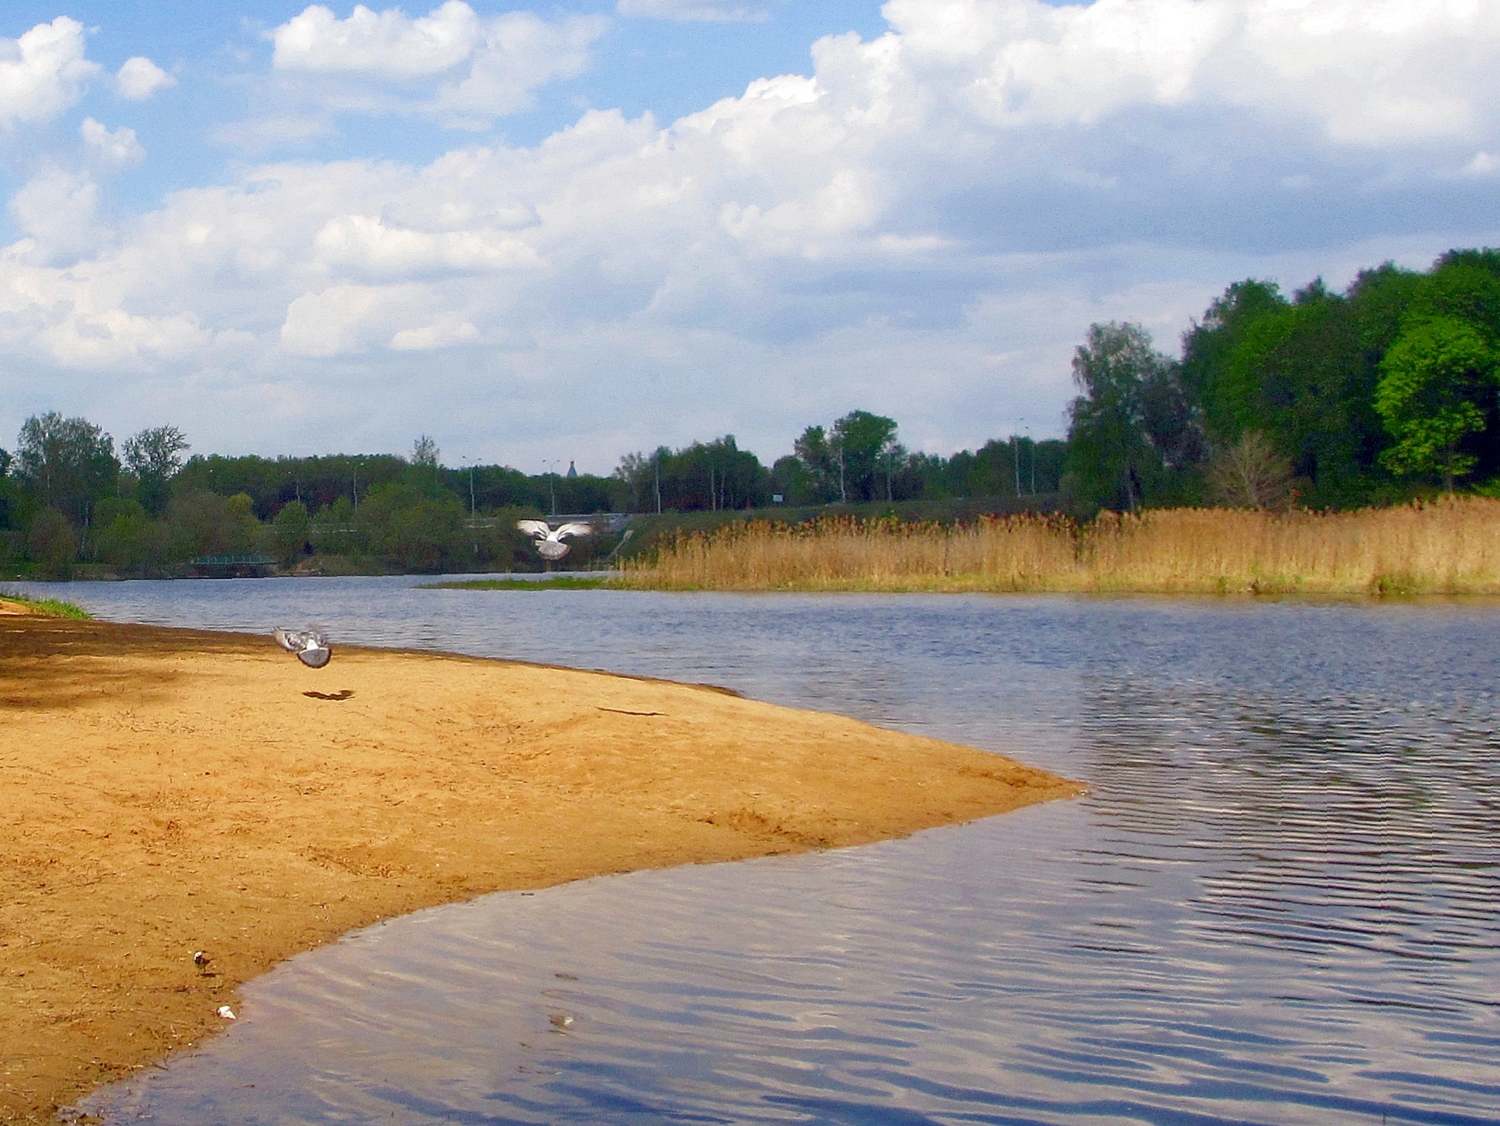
(310, 646)
(549, 543)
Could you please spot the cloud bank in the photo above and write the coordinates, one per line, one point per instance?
(923, 225)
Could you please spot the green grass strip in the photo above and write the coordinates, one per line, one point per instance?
(562, 582)
(50, 607)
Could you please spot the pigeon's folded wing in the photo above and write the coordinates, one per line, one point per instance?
(534, 527)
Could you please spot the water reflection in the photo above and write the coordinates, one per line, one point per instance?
(1277, 905)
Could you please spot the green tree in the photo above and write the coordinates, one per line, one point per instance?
(291, 529)
(154, 456)
(1209, 347)
(860, 446)
(1460, 286)
(127, 538)
(8, 508)
(820, 474)
(1379, 299)
(339, 529)
(209, 524)
(50, 541)
(703, 476)
(1436, 382)
(791, 480)
(1303, 379)
(988, 472)
(67, 463)
(415, 529)
(1111, 461)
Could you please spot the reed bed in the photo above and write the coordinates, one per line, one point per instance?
(1450, 546)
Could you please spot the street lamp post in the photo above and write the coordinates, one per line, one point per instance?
(1032, 440)
(473, 513)
(1015, 452)
(549, 463)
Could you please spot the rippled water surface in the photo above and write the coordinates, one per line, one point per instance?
(1280, 902)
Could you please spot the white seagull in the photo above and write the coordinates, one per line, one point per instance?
(549, 543)
(310, 646)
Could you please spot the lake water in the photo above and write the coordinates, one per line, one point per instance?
(1279, 903)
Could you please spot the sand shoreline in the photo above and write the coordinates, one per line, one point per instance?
(164, 791)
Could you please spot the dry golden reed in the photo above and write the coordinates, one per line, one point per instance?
(1450, 546)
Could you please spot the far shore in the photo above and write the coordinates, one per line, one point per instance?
(166, 791)
(1446, 547)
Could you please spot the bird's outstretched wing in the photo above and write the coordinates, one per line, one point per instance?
(573, 530)
(536, 528)
(291, 640)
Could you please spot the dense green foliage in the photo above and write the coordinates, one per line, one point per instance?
(1327, 399)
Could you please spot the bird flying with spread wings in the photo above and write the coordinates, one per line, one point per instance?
(310, 646)
(549, 540)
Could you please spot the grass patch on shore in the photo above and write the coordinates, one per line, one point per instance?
(561, 582)
(48, 607)
(1445, 547)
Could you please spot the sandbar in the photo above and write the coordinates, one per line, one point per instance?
(168, 791)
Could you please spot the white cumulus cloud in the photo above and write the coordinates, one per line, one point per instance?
(448, 329)
(366, 243)
(1371, 71)
(117, 149)
(44, 72)
(57, 211)
(138, 78)
(451, 64)
(385, 44)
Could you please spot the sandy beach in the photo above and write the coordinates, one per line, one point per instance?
(169, 791)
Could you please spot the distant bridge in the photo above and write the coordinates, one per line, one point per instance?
(612, 521)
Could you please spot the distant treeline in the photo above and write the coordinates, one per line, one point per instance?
(68, 499)
(857, 460)
(1383, 393)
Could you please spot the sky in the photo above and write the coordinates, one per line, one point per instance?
(572, 231)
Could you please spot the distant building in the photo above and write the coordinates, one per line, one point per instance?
(571, 471)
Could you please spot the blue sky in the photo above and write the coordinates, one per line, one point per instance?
(577, 230)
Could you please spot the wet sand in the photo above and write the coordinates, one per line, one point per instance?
(167, 791)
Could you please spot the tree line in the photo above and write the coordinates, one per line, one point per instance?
(68, 498)
(856, 460)
(1381, 393)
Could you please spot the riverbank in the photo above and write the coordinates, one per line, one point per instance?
(171, 791)
(1446, 547)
